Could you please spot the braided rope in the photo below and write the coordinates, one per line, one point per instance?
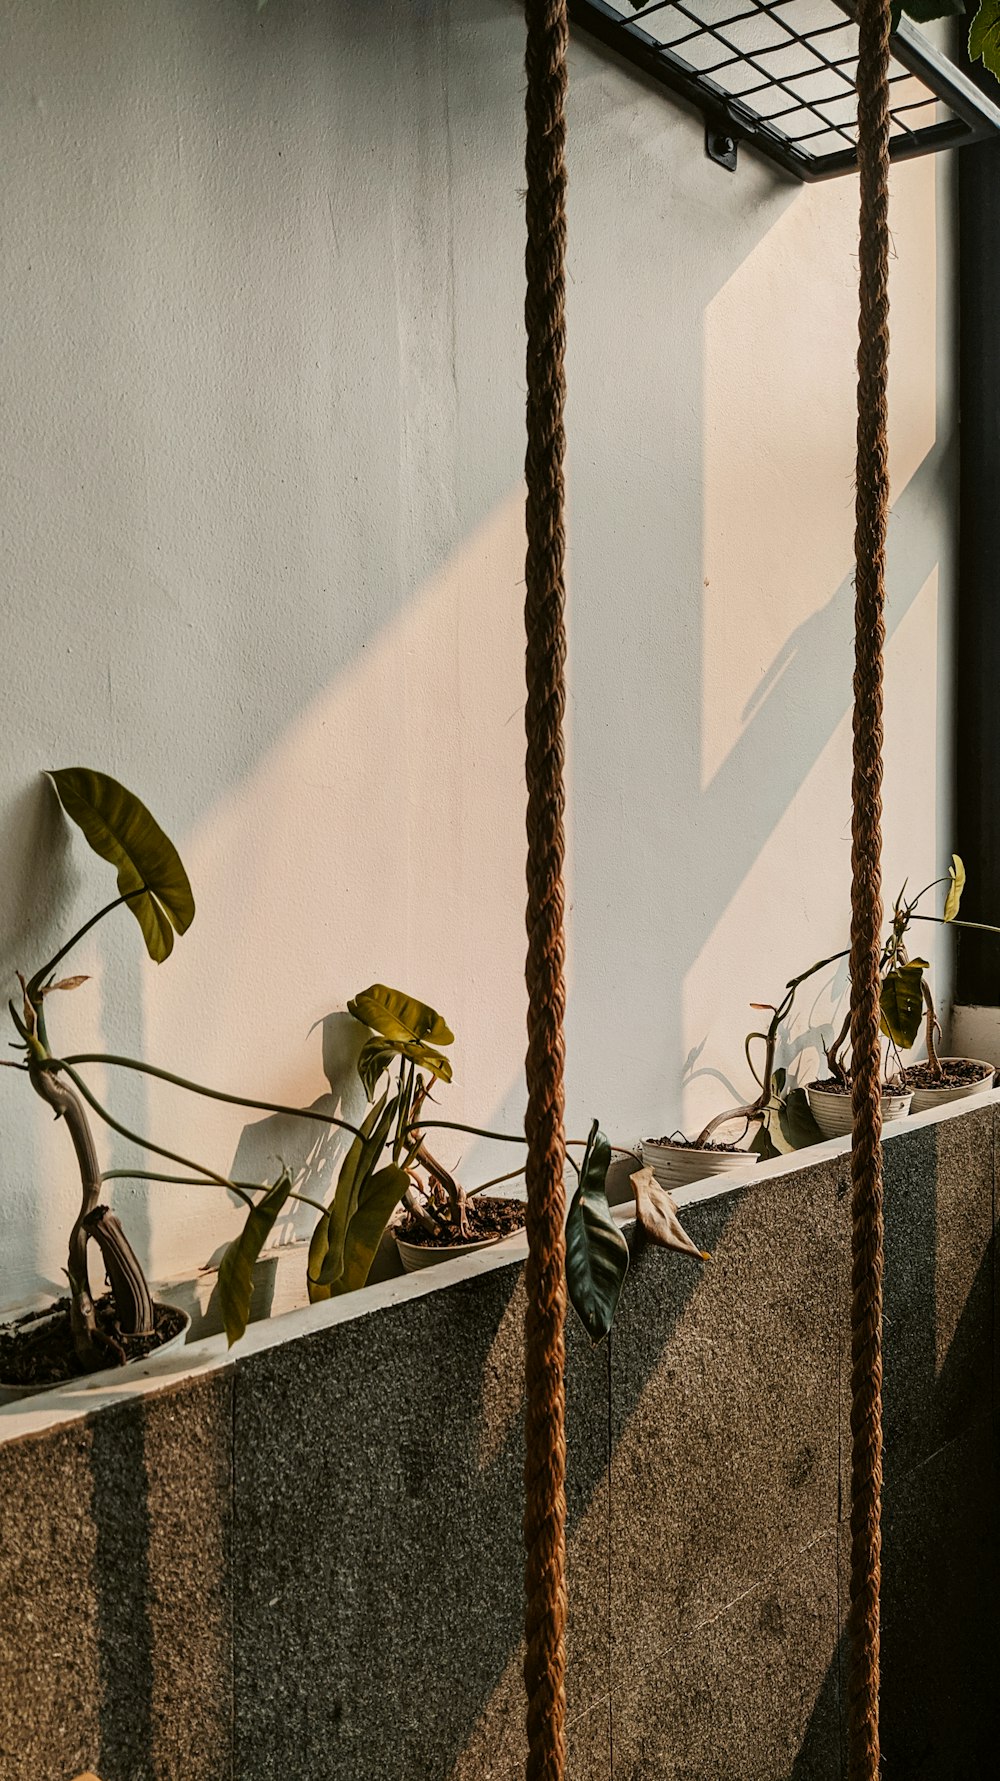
(545, 1278)
(866, 892)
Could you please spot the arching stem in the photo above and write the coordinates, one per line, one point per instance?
(933, 1031)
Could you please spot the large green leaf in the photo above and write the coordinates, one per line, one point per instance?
(762, 1144)
(121, 829)
(360, 1162)
(377, 1200)
(236, 1267)
(596, 1251)
(984, 36)
(903, 1003)
(956, 871)
(798, 1127)
(400, 1018)
(377, 1054)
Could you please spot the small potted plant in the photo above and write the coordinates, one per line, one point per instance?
(82, 1333)
(677, 1160)
(908, 1004)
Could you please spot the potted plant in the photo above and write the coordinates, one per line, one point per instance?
(387, 1162)
(82, 1333)
(908, 1004)
(678, 1160)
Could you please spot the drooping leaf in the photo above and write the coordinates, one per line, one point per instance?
(400, 1018)
(237, 1265)
(984, 36)
(121, 829)
(798, 1127)
(596, 1250)
(763, 1144)
(360, 1162)
(902, 1002)
(657, 1213)
(956, 871)
(778, 1079)
(377, 1054)
(378, 1198)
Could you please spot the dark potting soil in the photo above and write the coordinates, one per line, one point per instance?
(37, 1351)
(955, 1073)
(677, 1141)
(832, 1087)
(485, 1218)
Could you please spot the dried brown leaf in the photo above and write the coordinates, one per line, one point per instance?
(65, 983)
(658, 1215)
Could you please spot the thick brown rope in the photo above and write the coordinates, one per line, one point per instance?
(866, 892)
(545, 1279)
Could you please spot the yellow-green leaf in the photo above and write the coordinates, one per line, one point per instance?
(956, 875)
(121, 829)
(377, 1054)
(902, 1002)
(400, 1018)
(237, 1265)
(359, 1164)
(596, 1250)
(377, 1200)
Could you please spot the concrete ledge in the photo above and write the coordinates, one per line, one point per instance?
(302, 1558)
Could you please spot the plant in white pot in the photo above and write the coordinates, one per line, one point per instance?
(677, 1160)
(908, 1004)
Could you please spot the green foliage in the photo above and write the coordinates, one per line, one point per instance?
(329, 1242)
(121, 829)
(596, 1250)
(378, 1197)
(236, 1267)
(762, 1143)
(406, 1028)
(902, 1002)
(798, 1127)
(984, 36)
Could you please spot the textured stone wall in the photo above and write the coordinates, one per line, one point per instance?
(306, 1564)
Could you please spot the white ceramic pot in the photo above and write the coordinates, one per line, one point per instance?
(425, 1255)
(677, 1165)
(924, 1099)
(832, 1113)
(11, 1394)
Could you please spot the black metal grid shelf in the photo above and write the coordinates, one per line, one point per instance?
(780, 75)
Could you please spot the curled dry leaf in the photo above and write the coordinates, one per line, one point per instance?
(658, 1215)
(65, 983)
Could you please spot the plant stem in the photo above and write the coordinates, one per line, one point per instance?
(212, 1094)
(67, 1106)
(35, 982)
(243, 1188)
(172, 1156)
(933, 1026)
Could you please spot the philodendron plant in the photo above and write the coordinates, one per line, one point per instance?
(386, 1163)
(906, 1005)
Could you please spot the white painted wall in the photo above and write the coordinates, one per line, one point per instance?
(262, 558)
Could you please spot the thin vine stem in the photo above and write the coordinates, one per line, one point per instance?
(240, 1187)
(212, 1094)
(172, 1156)
(35, 981)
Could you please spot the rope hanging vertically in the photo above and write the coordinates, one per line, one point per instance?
(545, 1278)
(866, 891)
